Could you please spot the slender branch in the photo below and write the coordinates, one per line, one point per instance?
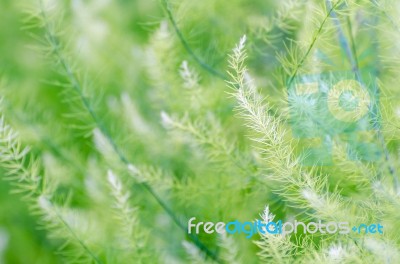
(192, 237)
(187, 47)
(313, 42)
(353, 43)
(344, 43)
(83, 245)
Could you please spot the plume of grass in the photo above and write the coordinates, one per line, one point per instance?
(25, 174)
(274, 248)
(297, 185)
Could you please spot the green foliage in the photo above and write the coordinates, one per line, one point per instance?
(121, 120)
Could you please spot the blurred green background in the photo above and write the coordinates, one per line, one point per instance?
(128, 58)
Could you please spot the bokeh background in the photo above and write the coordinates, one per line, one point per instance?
(133, 65)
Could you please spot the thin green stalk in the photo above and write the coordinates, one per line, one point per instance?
(83, 245)
(353, 43)
(192, 237)
(313, 42)
(344, 43)
(187, 47)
